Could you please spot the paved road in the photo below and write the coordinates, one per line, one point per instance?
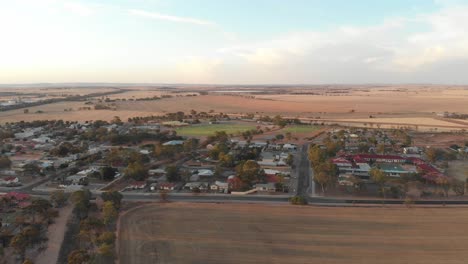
(304, 173)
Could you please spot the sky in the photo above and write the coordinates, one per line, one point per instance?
(234, 42)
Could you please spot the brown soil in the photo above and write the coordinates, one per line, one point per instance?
(248, 233)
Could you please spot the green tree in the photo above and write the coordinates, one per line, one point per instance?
(108, 173)
(136, 170)
(381, 148)
(114, 196)
(379, 177)
(106, 250)
(172, 174)
(323, 179)
(249, 172)
(78, 256)
(58, 198)
(5, 162)
(298, 200)
(431, 154)
(28, 261)
(109, 213)
(106, 238)
(290, 160)
(81, 201)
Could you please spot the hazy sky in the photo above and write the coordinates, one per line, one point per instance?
(234, 41)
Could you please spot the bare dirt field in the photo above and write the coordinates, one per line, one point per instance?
(458, 169)
(248, 233)
(440, 140)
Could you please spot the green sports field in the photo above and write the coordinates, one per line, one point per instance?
(207, 130)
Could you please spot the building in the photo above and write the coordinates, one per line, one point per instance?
(220, 186)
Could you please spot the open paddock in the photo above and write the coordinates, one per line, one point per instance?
(253, 233)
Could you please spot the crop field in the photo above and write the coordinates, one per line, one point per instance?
(254, 233)
(207, 130)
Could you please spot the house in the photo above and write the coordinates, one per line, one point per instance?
(157, 172)
(167, 186)
(220, 186)
(205, 173)
(196, 185)
(265, 187)
(9, 181)
(360, 169)
(174, 143)
(411, 150)
(77, 180)
(138, 185)
(379, 158)
(290, 147)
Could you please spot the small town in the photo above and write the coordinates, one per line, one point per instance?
(252, 132)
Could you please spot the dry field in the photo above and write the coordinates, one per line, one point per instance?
(253, 233)
(439, 140)
(396, 104)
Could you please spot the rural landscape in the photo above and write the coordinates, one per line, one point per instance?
(247, 131)
(172, 175)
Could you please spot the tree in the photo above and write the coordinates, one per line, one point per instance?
(109, 213)
(81, 201)
(298, 200)
(114, 196)
(106, 238)
(444, 183)
(431, 154)
(226, 160)
(290, 160)
(108, 173)
(379, 177)
(250, 172)
(28, 261)
(136, 170)
(172, 174)
(191, 144)
(58, 198)
(316, 155)
(19, 243)
(322, 178)
(163, 196)
(381, 148)
(26, 111)
(5, 162)
(106, 250)
(458, 187)
(78, 256)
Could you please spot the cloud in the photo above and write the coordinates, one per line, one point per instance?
(401, 49)
(78, 8)
(170, 18)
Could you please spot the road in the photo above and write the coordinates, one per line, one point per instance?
(305, 183)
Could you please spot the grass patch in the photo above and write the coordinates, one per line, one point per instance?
(300, 129)
(207, 130)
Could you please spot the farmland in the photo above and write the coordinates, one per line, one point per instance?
(389, 107)
(247, 233)
(207, 130)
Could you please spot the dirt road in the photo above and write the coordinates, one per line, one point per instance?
(55, 234)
